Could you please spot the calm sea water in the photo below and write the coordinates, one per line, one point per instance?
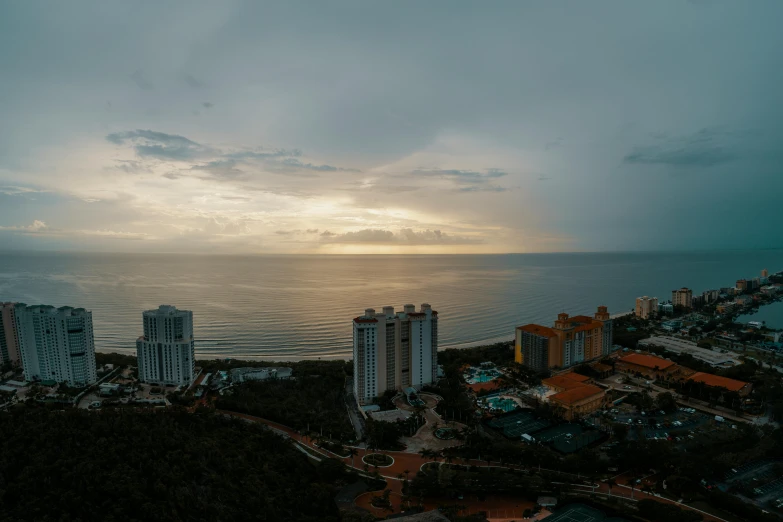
(301, 306)
(771, 314)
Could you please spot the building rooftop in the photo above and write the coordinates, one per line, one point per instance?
(717, 381)
(574, 395)
(581, 319)
(578, 377)
(600, 367)
(560, 381)
(537, 329)
(675, 345)
(648, 361)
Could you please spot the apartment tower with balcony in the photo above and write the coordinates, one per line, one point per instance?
(683, 297)
(166, 351)
(55, 344)
(572, 340)
(394, 350)
(646, 307)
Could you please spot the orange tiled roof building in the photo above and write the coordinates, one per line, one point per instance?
(576, 395)
(716, 381)
(570, 341)
(650, 366)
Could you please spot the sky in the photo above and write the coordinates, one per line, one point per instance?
(390, 127)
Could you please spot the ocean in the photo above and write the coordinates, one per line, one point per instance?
(299, 307)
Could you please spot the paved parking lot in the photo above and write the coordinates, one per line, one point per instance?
(761, 477)
(650, 423)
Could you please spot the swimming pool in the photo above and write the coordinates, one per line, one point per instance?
(501, 404)
(479, 376)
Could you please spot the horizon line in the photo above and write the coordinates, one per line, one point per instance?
(327, 254)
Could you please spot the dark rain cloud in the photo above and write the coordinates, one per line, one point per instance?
(220, 170)
(148, 143)
(405, 236)
(141, 81)
(706, 148)
(222, 165)
(467, 180)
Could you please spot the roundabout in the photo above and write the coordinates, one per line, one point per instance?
(445, 433)
(378, 460)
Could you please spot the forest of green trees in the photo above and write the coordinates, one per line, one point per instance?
(314, 399)
(155, 466)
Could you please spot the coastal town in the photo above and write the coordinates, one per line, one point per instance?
(671, 409)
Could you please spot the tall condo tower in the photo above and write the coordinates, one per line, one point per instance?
(646, 307)
(392, 351)
(572, 340)
(682, 297)
(9, 336)
(56, 344)
(166, 351)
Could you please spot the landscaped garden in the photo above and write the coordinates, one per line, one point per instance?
(378, 460)
(445, 433)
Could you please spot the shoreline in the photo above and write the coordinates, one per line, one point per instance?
(275, 358)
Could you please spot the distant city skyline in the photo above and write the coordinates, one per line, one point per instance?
(352, 127)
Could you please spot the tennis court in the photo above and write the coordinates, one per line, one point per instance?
(568, 438)
(576, 513)
(516, 424)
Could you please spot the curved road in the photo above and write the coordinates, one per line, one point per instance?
(412, 462)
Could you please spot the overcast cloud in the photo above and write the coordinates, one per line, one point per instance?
(390, 127)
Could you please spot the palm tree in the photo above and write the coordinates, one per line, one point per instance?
(407, 471)
(610, 482)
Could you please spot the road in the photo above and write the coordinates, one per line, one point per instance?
(357, 421)
(408, 464)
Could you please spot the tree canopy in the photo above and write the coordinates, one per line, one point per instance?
(153, 466)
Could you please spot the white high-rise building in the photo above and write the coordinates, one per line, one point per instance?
(56, 344)
(9, 337)
(393, 351)
(166, 351)
(646, 307)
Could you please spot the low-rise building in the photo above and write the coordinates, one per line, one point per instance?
(716, 381)
(725, 308)
(260, 374)
(566, 381)
(575, 396)
(650, 366)
(671, 326)
(682, 346)
(666, 308)
(579, 401)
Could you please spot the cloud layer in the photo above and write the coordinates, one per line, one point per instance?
(371, 128)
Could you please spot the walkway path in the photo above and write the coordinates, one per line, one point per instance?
(412, 462)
